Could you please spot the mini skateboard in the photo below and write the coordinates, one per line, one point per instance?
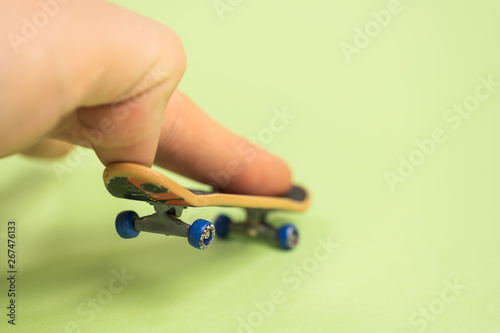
(137, 182)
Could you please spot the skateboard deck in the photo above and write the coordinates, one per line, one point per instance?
(137, 182)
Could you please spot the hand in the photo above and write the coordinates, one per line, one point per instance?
(94, 74)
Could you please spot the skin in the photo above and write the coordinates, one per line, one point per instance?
(101, 76)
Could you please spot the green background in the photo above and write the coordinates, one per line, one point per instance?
(397, 250)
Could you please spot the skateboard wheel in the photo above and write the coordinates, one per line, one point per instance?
(222, 223)
(288, 236)
(125, 224)
(200, 234)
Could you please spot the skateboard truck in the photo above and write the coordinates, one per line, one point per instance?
(165, 221)
(256, 226)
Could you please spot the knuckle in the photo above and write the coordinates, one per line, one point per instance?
(173, 57)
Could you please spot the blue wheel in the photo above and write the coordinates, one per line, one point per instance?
(288, 236)
(222, 223)
(200, 234)
(125, 224)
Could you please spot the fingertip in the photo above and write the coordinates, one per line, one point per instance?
(266, 175)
